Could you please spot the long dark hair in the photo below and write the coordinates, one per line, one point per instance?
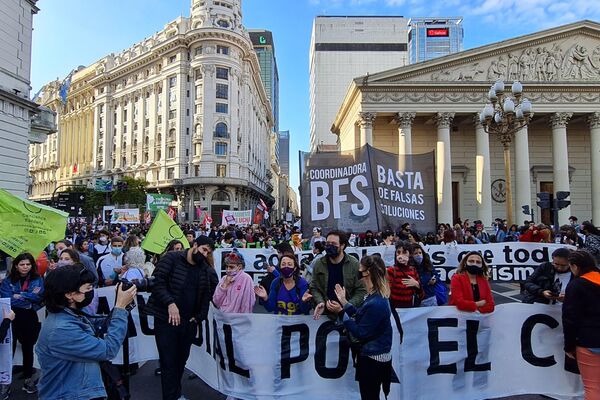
(584, 260)
(62, 281)
(404, 245)
(32, 274)
(426, 263)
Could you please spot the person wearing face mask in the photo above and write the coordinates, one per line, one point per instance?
(469, 287)
(428, 276)
(102, 247)
(109, 265)
(405, 284)
(235, 291)
(547, 284)
(368, 239)
(69, 350)
(67, 257)
(78, 256)
(25, 288)
(336, 268)
(288, 293)
(184, 284)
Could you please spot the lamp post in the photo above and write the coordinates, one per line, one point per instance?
(504, 115)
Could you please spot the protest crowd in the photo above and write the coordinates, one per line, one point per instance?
(74, 346)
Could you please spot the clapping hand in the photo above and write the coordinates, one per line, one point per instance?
(261, 292)
(340, 292)
(334, 306)
(10, 314)
(319, 311)
(306, 296)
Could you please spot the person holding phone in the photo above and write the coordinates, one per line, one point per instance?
(549, 281)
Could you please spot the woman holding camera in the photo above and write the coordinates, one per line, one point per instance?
(69, 350)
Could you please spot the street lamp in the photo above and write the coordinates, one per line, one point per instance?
(504, 115)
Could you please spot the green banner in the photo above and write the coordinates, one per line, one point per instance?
(156, 201)
(161, 232)
(26, 226)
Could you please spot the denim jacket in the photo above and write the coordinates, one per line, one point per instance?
(370, 324)
(69, 354)
(30, 298)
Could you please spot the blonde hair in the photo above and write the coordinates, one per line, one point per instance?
(377, 273)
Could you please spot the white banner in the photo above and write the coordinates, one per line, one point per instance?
(242, 218)
(6, 353)
(456, 355)
(125, 216)
(510, 262)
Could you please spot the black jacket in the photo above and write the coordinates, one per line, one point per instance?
(581, 314)
(542, 279)
(170, 280)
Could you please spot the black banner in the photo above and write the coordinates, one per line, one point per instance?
(367, 188)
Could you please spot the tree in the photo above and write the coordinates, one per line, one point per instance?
(130, 191)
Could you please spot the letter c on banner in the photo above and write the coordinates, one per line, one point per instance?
(286, 348)
(321, 352)
(526, 347)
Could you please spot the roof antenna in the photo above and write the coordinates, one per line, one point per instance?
(366, 80)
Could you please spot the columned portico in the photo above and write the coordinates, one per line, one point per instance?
(483, 193)
(405, 121)
(560, 159)
(444, 167)
(594, 124)
(522, 174)
(366, 127)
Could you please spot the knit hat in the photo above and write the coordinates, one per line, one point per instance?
(205, 240)
(234, 258)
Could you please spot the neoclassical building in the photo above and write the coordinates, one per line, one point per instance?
(184, 109)
(435, 105)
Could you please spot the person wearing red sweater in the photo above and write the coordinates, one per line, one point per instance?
(403, 278)
(469, 287)
(532, 234)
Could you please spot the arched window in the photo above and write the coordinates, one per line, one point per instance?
(220, 195)
(221, 130)
(171, 134)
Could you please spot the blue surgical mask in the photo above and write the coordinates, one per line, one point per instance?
(418, 259)
(117, 251)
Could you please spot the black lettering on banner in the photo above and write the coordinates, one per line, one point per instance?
(144, 325)
(321, 352)
(286, 337)
(507, 250)
(521, 255)
(437, 258)
(473, 350)
(230, 353)
(217, 352)
(526, 347)
(206, 324)
(436, 346)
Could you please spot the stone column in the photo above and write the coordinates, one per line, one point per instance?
(560, 159)
(405, 120)
(443, 121)
(522, 174)
(366, 127)
(483, 185)
(594, 124)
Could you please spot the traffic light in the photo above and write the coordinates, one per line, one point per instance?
(525, 210)
(561, 201)
(544, 201)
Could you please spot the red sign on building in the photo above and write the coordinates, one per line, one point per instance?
(438, 32)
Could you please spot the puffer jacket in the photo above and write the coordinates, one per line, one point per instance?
(170, 278)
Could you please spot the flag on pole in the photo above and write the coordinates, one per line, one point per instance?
(27, 226)
(263, 204)
(161, 232)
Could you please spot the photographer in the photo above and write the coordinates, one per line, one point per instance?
(184, 285)
(69, 350)
(549, 281)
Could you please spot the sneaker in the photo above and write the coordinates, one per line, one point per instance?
(30, 386)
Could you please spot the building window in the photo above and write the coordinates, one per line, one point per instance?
(222, 23)
(197, 74)
(125, 115)
(172, 82)
(221, 170)
(187, 152)
(199, 92)
(220, 149)
(172, 114)
(101, 108)
(171, 135)
(222, 73)
(170, 173)
(159, 119)
(196, 170)
(158, 155)
(172, 59)
(222, 91)
(221, 195)
(170, 152)
(100, 122)
(222, 50)
(221, 130)
(198, 51)
(222, 108)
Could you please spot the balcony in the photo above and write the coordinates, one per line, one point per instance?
(221, 135)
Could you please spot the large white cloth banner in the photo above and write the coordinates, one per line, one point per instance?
(510, 262)
(444, 353)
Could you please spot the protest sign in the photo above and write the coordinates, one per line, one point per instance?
(156, 201)
(242, 218)
(367, 188)
(515, 350)
(161, 232)
(26, 226)
(125, 216)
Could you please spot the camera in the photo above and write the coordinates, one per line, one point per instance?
(142, 285)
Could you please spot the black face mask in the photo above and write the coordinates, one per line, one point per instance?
(474, 269)
(332, 251)
(89, 296)
(199, 258)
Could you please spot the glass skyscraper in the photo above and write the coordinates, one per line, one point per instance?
(264, 47)
(430, 38)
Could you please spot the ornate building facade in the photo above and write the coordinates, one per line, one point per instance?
(184, 109)
(435, 105)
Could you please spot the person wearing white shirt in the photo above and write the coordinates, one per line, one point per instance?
(109, 265)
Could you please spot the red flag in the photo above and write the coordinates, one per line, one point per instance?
(171, 213)
(74, 168)
(263, 204)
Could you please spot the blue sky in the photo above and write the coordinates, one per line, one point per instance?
(68, 33)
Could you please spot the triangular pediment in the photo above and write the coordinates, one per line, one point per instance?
(569, 53)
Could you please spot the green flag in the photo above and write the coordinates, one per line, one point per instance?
(161, 232)
(26, 226)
